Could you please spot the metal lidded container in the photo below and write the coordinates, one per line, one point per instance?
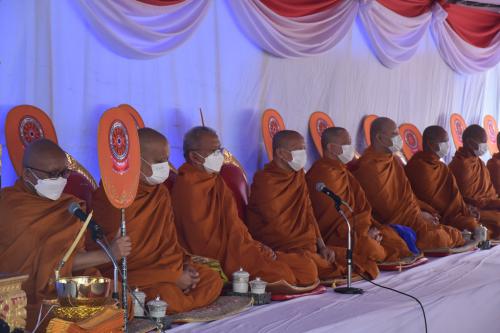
(157, 308)
(138, 302)
(240, 281)
(258, 286)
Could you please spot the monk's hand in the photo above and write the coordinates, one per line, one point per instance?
(195, 276)
(121, 246)
(327, 254)
(474, 211)
(432, 218)
(184, 282)
(270, 251)
(375, 234)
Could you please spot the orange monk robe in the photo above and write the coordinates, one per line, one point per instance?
(35, 233)
(336, 177)
(208, 225)
(280, 215)
(393, 202)
(156, 260)
(434, 183)
(474, 182)
(493, 166)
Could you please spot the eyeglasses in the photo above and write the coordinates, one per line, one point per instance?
(218, 150)
(53, 174)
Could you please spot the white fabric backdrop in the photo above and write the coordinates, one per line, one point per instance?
(49, 59)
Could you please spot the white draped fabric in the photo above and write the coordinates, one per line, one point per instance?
(50, 59)
(138, 30)
(461, 56)
(293, 37)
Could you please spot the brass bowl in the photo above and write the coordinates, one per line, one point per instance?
(83, 291)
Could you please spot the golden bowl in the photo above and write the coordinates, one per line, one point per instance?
(83, 291)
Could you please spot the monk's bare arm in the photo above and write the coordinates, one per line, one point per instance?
(121, 247)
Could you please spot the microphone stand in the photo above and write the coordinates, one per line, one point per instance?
(107, 251)
(349, 289)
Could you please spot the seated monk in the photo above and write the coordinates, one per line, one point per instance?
(493, 166)
(279, 212)
(158, 265)
(373, 242)
(474, 180)
(37, 228)
(389, 191)
(208, 223)
(434, 183)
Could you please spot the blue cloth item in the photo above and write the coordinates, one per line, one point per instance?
(408, 235)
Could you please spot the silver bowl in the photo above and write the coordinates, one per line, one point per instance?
(83, 290)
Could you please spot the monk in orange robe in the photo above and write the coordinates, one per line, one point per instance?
(493, 166)
(279, 212)
(389, 191)
(36, 228)
(158, 265)
(208, 223)
(373, 242)
(474, 180)
(434, 183)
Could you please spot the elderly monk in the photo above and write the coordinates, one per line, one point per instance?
(389, 191)
(493, 166)
(36, 228)
(279, 212)
(208, 223)
(373, 242)
(158, 265)
(474, 180)
(434, 183)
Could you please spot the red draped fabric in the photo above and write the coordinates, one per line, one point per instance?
(408, 8)
(297, 8)
(476, 26)
(161, 2)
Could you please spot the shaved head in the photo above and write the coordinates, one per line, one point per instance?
(45, 155)
(337, 135)
(194, 138)
(381, 125)
(149, 139)
(433, 135)
(284, 138)
(474, 132)
(382, 132)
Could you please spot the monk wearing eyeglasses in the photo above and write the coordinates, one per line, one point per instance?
(36, 228)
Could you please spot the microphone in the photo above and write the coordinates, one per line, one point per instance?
(321, 187)
(74, 209)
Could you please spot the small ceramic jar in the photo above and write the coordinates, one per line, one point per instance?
(258, 286)
(466, 235)
(157, 308)
(240, 281)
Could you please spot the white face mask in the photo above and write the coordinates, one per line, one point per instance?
(213, 162)
(160, 173)
(397, 144)
(444, 147)
(481, 150)
(50, 188)
(347, 154)
(299, 159)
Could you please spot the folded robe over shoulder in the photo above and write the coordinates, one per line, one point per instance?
(35, 233)
(280, 215)
(390, 194)
(208, 225)
(157, 259)
(433, 182)
(333, 228)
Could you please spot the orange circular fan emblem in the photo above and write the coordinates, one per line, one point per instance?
(412, 139)
(367, 123)
(318, 122)
(457, 127)
(272, 123)
(119, 156)
(491, 128)
(23, 125)
(139, 123)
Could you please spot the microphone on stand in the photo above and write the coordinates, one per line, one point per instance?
(98, 236)
(321, 187)
(96, 230)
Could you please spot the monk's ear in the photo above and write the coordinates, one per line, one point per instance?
(283, 154)
(195, 158)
